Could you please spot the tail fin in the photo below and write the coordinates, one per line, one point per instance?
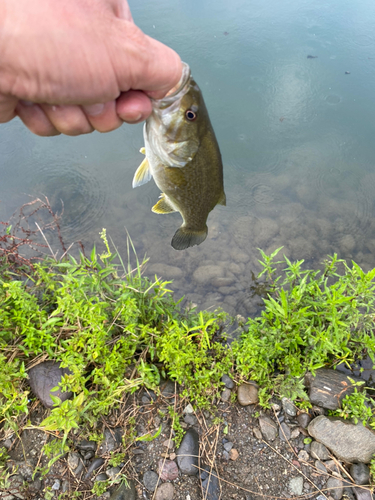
(185, 238)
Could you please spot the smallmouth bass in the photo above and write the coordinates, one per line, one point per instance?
(183, 157)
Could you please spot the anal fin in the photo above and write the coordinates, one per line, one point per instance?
(222, 200)
(163, 206)
(142, 174)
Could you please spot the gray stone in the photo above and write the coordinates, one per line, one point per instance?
(211, 487)
(73, 460)
(319, 451)
(362, 494)
(335, 488)
(15, 486)
(258, 433)
(88, 455)
(190, 419)
(226, 455)
(332, 466)
(268, 428)
(303, 456)
(360, 473)
(150, 480)
(294, 433)
(284, 432)
(168, 470)
(188, 410)
(95, 464)
(187, 453)
(289, 407)
(167, 388)
(101, 477)
(228, 446)
(25, 469)
(225, 395)
(56, 485)
(165, 492)
(320, 466)
(87, 445)
(112, 440)
(349, 442)
(296, 485)
(227, 381)
(125, 492)
(303, 419)
(46, 376)
(247, 394)
(113, 472)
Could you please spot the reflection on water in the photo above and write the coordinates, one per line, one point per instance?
(296, 135)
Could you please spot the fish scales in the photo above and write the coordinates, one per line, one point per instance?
(183, 157)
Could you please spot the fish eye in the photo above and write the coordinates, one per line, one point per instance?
(190, 115)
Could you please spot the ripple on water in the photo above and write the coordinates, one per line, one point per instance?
(83, 194)
(333, 99)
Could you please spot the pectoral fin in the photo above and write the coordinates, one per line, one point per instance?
(142, 174)
(163, 206)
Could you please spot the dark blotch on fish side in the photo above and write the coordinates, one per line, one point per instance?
(312, 57)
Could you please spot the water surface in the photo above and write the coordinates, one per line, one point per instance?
(296, 135)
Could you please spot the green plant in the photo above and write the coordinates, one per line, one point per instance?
(100, 487)
(357, 407)
(311, 319)
(372, 470)
(4, 474)
(96, 316)
(176, 426)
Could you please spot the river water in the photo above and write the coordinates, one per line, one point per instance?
(290, 89)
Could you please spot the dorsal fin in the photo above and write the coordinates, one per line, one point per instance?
(142, 174)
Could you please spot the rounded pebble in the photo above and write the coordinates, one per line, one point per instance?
(150, 480)
(164, 492)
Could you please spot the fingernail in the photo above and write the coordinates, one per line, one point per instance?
(26, 103)
(132, 119)
(94, 109)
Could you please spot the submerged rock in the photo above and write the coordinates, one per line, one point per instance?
(349, 442)
(44, 377)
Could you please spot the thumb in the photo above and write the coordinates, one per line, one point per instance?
(141, 62)
(7, 108)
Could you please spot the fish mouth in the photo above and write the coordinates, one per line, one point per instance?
(177, 89)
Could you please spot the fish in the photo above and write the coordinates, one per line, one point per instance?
(183, 157)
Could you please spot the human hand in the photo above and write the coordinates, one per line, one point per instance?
(76, 66)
